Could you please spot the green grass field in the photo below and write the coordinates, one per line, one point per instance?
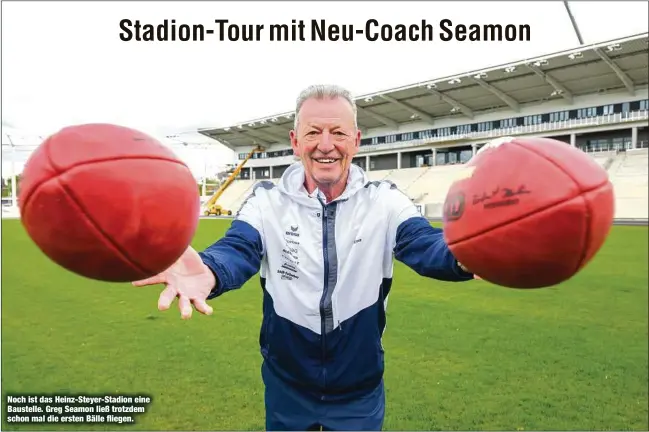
(458, 356)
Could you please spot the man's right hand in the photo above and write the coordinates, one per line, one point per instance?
(188, 279)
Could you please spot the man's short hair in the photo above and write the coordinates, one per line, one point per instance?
(324, 91)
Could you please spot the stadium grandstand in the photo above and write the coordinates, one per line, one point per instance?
(594, 97)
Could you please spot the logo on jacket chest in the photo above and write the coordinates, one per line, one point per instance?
(292, 231)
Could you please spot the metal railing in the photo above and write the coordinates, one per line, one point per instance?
(618, 118)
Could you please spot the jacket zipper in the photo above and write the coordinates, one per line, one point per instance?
(324, 291)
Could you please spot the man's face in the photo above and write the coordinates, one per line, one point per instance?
(326, 139)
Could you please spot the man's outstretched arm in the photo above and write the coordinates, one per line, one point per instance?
(422, 248)
(237, 256)
(418, 244)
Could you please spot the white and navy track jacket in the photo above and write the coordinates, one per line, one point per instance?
(326, 272)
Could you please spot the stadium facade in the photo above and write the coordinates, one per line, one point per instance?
(594, 98)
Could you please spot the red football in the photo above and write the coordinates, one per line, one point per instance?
(108, 202)
(528, 212)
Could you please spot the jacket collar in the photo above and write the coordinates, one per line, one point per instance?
(292, 184)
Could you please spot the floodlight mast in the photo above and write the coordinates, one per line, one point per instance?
(200, 146)
(12, 171)
(574, 23)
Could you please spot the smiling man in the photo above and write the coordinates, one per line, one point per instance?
(326, 138)
(323, 241)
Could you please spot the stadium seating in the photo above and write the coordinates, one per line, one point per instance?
(431, 186)
(629, 174)
(427, 186)
(405, 177)
(235, 194)
(237, 199)
(604, 159)
(628, 170)
(379, 175)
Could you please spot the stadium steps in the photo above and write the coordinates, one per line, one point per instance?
(604, 159)
(608, 163)
(413, 193)
(378, 175)
(629, 175)
(420, 198)
(615, 165)
(405, 177)
(238, 202)
(232, 194)
(433, 185)
(235, 204)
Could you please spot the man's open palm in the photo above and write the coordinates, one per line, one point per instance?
(188, 279)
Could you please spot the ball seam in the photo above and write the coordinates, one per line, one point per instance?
(589, 217)
(100, 230)
(58, 172)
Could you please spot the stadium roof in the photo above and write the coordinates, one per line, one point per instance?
(602, 67)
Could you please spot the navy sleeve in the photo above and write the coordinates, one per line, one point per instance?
(234, 258)
(422, 248)
(415, 242)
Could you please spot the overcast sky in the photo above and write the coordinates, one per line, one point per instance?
(63, 63)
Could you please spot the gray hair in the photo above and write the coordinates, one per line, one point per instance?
(324, 91)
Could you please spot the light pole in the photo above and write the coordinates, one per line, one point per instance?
(12, 171)
(25, 144)
(196, 146)
(574, 23)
